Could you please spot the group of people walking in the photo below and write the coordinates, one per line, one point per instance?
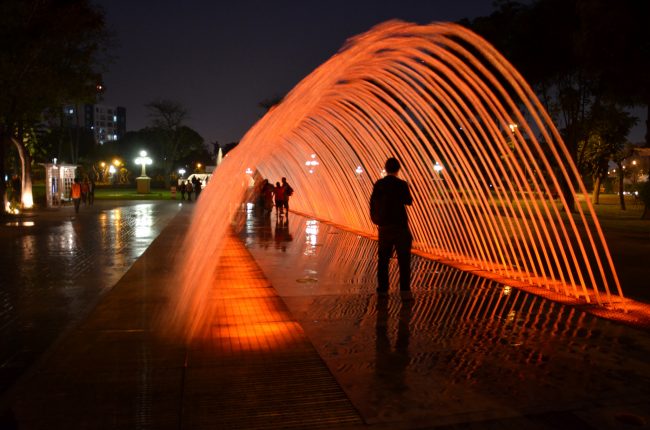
(82, 191)
(269, 196)
(191, 186)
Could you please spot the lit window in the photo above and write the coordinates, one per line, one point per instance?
(114, 118)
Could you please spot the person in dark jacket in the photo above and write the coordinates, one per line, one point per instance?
(389, 197)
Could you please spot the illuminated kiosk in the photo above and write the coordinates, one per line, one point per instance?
(58, 180)
(143, 182)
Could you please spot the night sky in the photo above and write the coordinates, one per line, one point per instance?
(220, 59)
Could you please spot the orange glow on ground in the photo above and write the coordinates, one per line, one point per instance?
(240, 310)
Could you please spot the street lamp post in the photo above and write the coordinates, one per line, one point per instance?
(143, 182)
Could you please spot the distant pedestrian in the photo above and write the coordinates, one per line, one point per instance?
(268, 192)
(196, 185)
(278, 192)
(288, 192)
(84, 191)
(182, 188)
(188, 190)
(75, 194)
(387, 209)
(91, 191)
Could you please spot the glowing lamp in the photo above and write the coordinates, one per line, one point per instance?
(312, 163)
(181, 172)
(143, 160)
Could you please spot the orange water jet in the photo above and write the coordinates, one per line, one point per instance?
(434, 96)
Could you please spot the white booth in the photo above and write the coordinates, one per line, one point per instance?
(58, 181)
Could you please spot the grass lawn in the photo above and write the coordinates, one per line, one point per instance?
(130, 194)
(109, 193)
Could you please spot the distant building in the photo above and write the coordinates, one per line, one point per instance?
(107, 123)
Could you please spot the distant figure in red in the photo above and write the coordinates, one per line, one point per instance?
(75, 194)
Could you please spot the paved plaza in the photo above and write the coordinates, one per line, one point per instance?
(295, 336)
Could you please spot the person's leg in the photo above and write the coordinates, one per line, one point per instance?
(384, 251)
(403, 250)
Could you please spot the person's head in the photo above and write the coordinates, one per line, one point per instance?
(392, 166)
(277, 184)
(76, 180)
(284, 180)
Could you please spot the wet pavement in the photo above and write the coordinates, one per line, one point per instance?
(56, 264)
(296, 338)
(466, 350)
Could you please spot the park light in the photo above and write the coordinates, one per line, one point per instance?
(181, 172)
(198, 166)
(358, 170)
(512, 127)
(437, 167)
(249, 171)
(312, 163)
(111, 169)
(143, 160)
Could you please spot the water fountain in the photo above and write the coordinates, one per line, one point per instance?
(482, 156)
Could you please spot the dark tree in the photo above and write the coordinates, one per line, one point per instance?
(49, 55)
(176, 140)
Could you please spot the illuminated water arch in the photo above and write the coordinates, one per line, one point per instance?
(483, 159)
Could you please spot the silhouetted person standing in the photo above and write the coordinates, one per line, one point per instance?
(288, 192)
(387, 209)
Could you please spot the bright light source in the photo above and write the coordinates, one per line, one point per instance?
(143, 160)
(358, 170)
(437, 167)
(312, 163)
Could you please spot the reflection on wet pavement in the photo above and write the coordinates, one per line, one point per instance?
(55, 266)
(465, 347)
